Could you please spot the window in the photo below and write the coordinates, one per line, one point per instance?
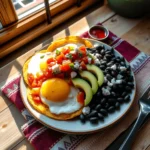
(26, 7)
(23, 20)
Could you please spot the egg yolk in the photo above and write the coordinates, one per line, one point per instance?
(55, 89)
(43, 65)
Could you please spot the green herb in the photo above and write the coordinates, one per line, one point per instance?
(57, 52)
(42, 56)
(80, 55)
(71, 65)
(68, 56)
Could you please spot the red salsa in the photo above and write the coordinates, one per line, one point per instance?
(98, 33)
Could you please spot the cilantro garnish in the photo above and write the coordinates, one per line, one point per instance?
(68, 56)
(42, 56)
(57, 52)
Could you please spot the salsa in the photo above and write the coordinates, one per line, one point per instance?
(98, 33)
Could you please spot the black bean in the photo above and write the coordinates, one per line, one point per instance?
(103, 111)
(108, 56)
(111, 100)
(103, 62)
(111, 109)
(100, 56)
(130, 78)
(102, 67)
(113, 73)
(120, 86)
(122, 58)
(98, 107)
(82, 118)
(110, 63)
(117, 105)
(124, 81)
(124, 94)
(102, 52)
(118, 59)
(103, 101)
(100, 116)
(109, 77)
(120, 99)
(114, 87)
(113, 58)
(93, 106)
(128, 88)
(105, 59)
(93, 114)
(108, 52)
(99, 47)
(106, 105)
(113, 94)
(130, 84)
(127, 98)
(94, 120)
(98, 94)
(122, 63)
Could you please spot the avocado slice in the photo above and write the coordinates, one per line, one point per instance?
(78, 82)
(98, 72)
(91, 78)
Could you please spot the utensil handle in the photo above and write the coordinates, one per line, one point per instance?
(128, 141)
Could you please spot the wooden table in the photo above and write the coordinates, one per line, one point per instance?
(135, 31)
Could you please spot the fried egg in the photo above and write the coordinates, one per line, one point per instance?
(38, 62)
(59, 96)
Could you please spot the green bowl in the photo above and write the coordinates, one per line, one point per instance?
(130, 8)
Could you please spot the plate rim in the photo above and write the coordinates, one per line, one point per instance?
(79, 132)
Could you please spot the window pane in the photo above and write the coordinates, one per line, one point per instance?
(26, 7)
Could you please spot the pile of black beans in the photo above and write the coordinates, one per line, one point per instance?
(105, 103)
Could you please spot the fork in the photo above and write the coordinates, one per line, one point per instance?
(143, 114)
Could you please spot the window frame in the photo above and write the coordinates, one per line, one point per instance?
(15, 35)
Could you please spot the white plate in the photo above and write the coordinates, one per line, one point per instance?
(75, 126)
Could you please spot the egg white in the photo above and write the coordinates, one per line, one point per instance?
(68, 106)
(34, 64)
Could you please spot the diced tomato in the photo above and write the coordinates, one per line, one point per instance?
(39, 76)
(80, 97)
(65, 51)
(74, 56)
(82, 64)
(65, 67)
(69, 81)
(60, 75)
(51, 64)
(30, 78)
(37, 99)
(82, 48)
(34, 83)
(50, 60)
(48, 73)
(85, 60)
(39, 83)
(60, 58)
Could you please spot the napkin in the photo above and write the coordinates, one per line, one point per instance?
(43, 138)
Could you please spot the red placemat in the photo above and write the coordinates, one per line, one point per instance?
(43, 138)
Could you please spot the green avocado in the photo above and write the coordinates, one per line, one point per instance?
(98, 72)
(80, 83)
(91, 78)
